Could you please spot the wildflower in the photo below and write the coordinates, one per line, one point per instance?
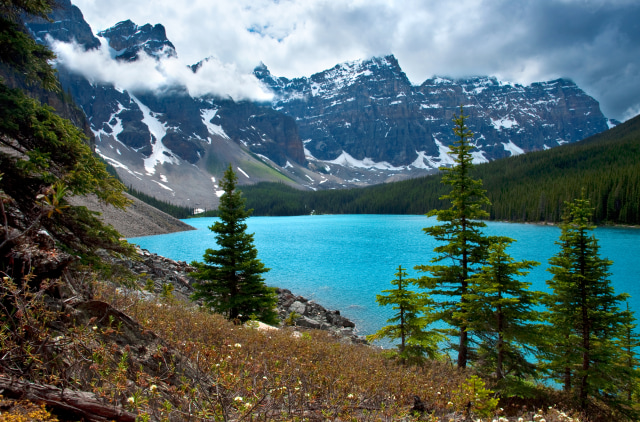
(238, 345)
(238, 399)
(350, 396)
(450, 403)
(94, 328)
(131, 400)
(153, 388)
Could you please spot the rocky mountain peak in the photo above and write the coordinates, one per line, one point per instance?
(66, 24)
(359, 123)
(129, 39)
(368, 114)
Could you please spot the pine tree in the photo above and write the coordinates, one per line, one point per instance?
(587, 323)
(409, 323)
(464, 243)
(500, 309)
(231, 277)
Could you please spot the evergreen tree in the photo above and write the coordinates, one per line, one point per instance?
(464, 243)
(409, 325)
(629, 342)
(20, 51)
(500, 309)
(43, 157)
(587, 323)
(231, 277)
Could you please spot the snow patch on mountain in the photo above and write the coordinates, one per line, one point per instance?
(512, 148)
(478, 157)
(424, 161)
(208, 115)
(444, 157)
(243, 172)
(347, 160)
(160, 154)
(504, 123)
(163, 186)
(117, 164)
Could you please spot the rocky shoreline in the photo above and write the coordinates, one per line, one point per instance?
(295, 311)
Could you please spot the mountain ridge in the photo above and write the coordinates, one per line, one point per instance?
(359, 123)
(511, 119)
(527, 188)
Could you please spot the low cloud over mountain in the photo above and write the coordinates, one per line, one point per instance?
(159, 73)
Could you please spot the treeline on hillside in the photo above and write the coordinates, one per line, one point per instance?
(530, 187)
(171, 209)
(533, 187)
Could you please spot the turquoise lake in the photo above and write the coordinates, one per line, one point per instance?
(343, 261)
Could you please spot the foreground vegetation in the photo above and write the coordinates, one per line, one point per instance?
(184, 363)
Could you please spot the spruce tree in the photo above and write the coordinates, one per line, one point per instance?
(231, 277)
(585, 316)
(408, 323)
(464, 245)
(501, 311)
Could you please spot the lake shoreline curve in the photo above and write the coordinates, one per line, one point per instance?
(296, 312)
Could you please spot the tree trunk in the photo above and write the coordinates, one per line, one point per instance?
(499, 372)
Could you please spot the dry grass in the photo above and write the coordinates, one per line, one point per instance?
(174, 362)
(249, 374)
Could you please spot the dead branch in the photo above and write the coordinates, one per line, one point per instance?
(81, 403)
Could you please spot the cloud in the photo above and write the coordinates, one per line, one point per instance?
(159, 74)
(596, 43)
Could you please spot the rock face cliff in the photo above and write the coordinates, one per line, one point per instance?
(168, 143)
(130, 41)
(368, 110)
(359, 123)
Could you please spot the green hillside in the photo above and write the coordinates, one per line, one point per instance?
(530, 187)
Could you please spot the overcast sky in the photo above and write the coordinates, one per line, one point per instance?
(596, 43)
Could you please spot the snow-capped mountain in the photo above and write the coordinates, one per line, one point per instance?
(168, 143)
(356, 124)
(368, 111)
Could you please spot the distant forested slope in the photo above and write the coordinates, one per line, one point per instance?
(530, 187)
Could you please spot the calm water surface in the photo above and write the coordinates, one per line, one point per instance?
(343, 261)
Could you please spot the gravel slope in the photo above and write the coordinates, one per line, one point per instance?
(139, 219)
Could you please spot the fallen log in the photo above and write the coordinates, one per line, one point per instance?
(81, 403)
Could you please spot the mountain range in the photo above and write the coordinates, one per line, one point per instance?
(359, 123)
